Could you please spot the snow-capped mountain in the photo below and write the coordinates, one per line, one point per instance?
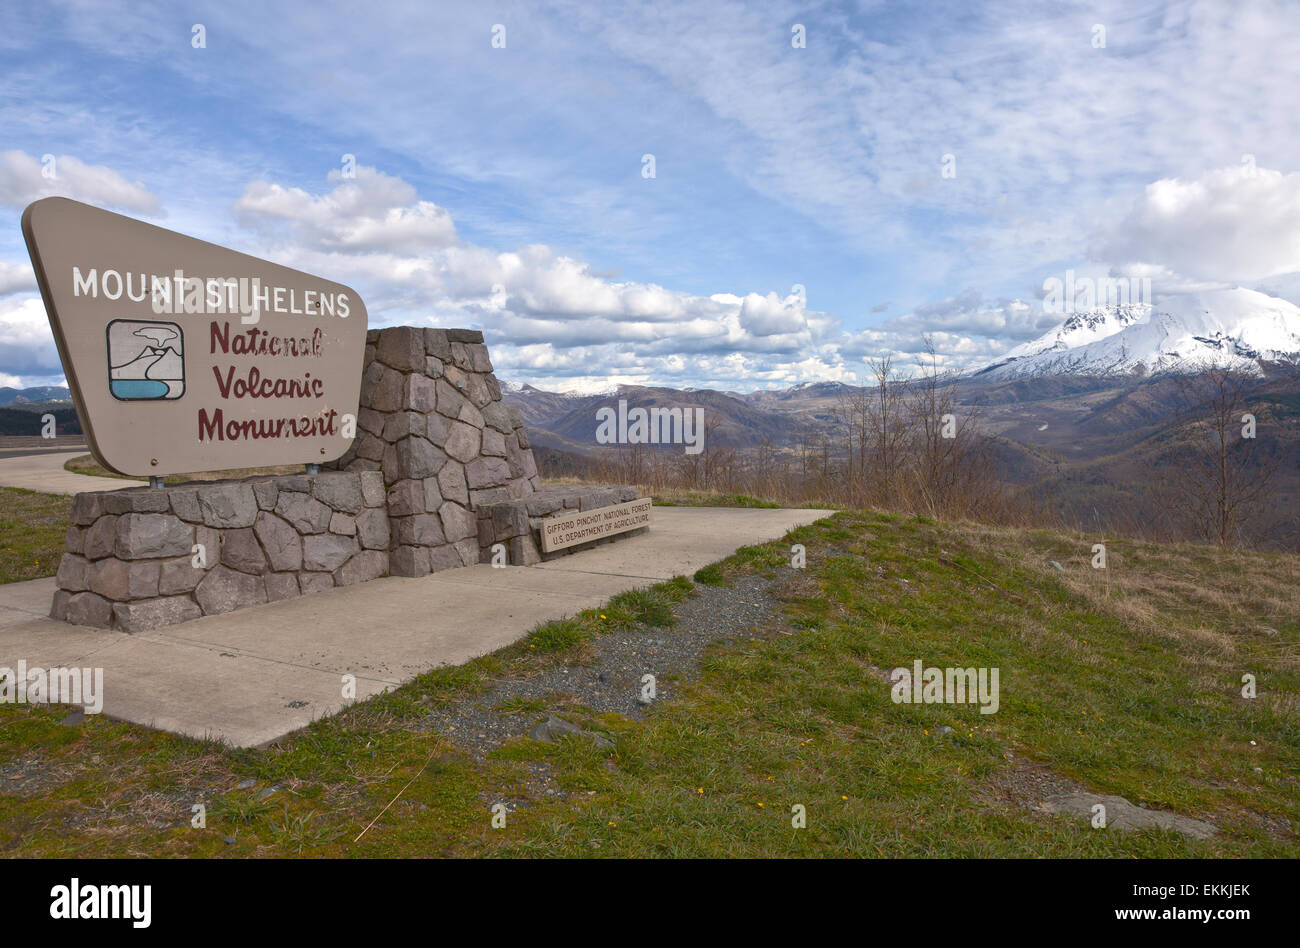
(1236, 328)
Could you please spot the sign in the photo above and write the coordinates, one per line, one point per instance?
(183, 356)
(572, 529)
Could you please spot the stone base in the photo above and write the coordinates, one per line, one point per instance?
(517, 523)
(140, 559)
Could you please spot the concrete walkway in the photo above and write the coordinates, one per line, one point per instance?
(251, 676)
(43, 471)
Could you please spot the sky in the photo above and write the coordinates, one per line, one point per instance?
(705, 194)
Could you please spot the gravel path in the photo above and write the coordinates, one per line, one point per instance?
(612, 682)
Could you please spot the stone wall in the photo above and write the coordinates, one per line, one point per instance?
(439, 472)
(130, 560)
(432, 421)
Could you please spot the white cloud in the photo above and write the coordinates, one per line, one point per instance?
(1238, 224)
(16, 278)
(24, 179)
(26, 343)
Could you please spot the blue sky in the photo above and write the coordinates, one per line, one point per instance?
(503, 188)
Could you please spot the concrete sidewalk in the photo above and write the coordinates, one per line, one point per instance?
(43, 471)
(251, 676)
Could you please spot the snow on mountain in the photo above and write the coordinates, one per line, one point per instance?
(1234, 328)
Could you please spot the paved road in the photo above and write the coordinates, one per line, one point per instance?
(43, 471)
(251, 676)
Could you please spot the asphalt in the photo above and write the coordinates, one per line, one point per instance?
(251, 676)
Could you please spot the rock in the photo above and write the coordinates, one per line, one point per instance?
(246, 785)
(281, 542)
(496, 416)
(1123, 815)
(372, 529)
(437, 344)
(465, 335)
(388, 393)
(178, 576)
(343, 525)
(74, 573)
(228, 505)
(943, 729)
(409, 561)
(315, 582)
(403, 424)
(462, 442)
(325, 552)
(494, 443)
(449, 399)
(486, 472)
(553, 728)
(372, 488)
(432, 495)
(402, 347)
(444, 557)
(363, 567)
(1055, 565)
(74, 539)
(136, 500)
(87, 508)
(148, 536)
(457, 522)
(420, 393)
(240, 550)
(423, 529)
(281, 586)
(101, 538)
(73, 718)
(86, 608)
(451, 483)
(306, 514)
(406, 498)
(155, 613)
(224, 590)
(267, 493)
(185, 504)
(417, 458)
(340, 490)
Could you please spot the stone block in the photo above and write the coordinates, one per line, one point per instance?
(457, 522)
(267, 493)
(465, 335)
(227, 505)
(409, 561)
(486, 472)
(406, 498)
(86, 608)
(87, 508)
(437, 344)
(345, 525)
(451, 483)
(388, 394)
(372, 489)
(419, 393)
(403, 424)
(225, 590)
(372, 529)
(305, 513)
(444, 557)
(361, 568)
(281, 586)
(450, 400)
(178, 576)
(326, 552)
(339, 490)
(315, 582)
(424, 529)
(100, 538)
(462, 442)
(74, 573)
(416, 458)
(432, 495)
(155, 613)
(240, 550)
(402, 347)
(138, 500)
(148, 536)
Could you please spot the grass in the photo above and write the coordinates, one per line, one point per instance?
(1124, 681)
(34, 527)
(86, 464)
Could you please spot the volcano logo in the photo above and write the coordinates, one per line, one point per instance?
(146, 360)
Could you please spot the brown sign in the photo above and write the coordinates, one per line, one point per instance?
(572, 529)
(184, 356)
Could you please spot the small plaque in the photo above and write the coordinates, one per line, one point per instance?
(572, 529)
